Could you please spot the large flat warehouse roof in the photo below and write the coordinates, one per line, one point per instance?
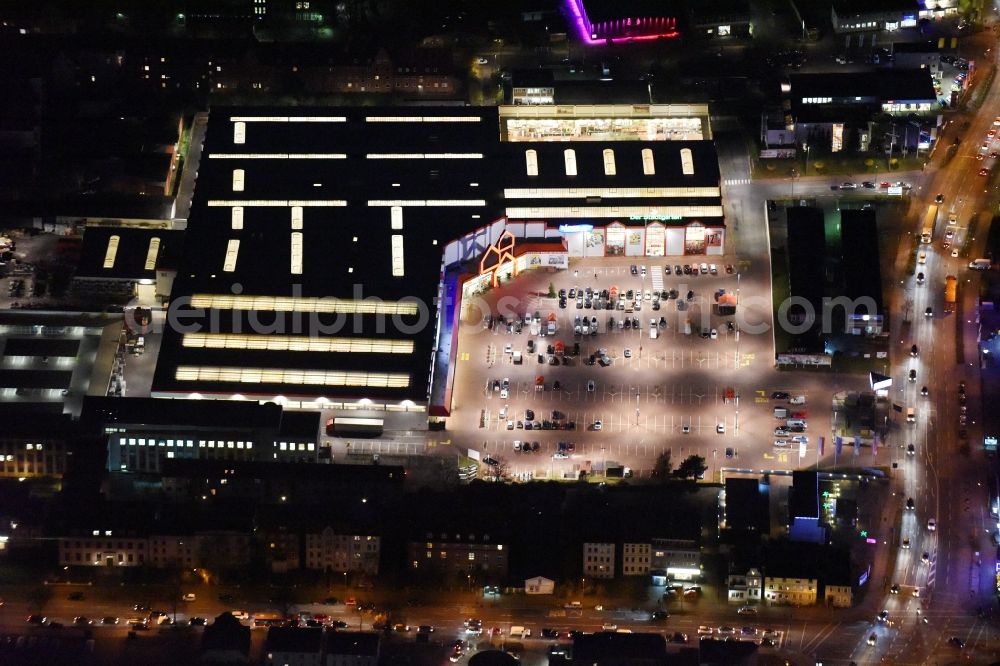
(313, 253)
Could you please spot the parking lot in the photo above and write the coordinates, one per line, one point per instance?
(528, 375)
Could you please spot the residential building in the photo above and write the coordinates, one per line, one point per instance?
(635, 559)
(336, 551)
(838, 596)
(539, 585)
(459, 554)
(34, 443)
(294, 646)
(103, 548)
(351, 648)
(174, 552)
(599, 560)
(745, 588)
(790, 591)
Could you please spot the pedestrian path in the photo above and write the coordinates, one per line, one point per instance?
(737, 181)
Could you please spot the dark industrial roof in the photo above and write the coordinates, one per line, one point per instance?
(804, 495)
(35, 346)
(601, 92)
(346, 248)
(355, 643)
(294, 639)
(806, 254)
(881, 84)
(35, 379)
(860, 256)
(300, 425)
(229, 414)
(133, 250)
(628, 166)
(747, 505)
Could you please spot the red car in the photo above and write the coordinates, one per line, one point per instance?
(885, 184)
(800, 415)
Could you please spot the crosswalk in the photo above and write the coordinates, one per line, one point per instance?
(736, 181)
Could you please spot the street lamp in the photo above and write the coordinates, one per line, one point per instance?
(805, 147)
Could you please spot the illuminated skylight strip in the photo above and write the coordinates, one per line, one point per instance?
(422, 119)
(288, 119)
(296, 218)
(296, 253)
(112, 252)
(396, 213)
(239, 180)
(151, 253)
(276, 203)
(578, 212)
(687, 162)
(610, 192)
(194, 373)
(397, 255)
(240, 133)
(426, 202)
(232, 251)
(424, 156)
(301, 304)
(278, 156)
(237, 220)
(297, 343)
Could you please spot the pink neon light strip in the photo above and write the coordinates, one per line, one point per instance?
(579, 16)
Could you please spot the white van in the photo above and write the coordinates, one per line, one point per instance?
(653, 333)
(797, 423)
(517, 631)
(780, 413)
(980, 265)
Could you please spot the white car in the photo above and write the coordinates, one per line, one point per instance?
(504, 393)
(800, 439)
(954, 254)
(598, 425)
(797, 400)
(922, 258)
(713, 269)
(627, 353)
(781, 443)
(686, 428)
(931, 524)
(559, 455)
(720, 428)
(848, 186)
(703, 268)
(714, 334)
(781, 432)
